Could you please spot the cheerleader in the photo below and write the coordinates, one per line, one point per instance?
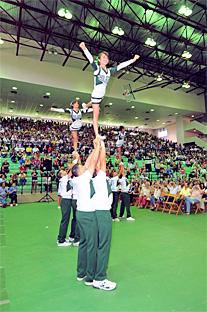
(120, 141)
(101, 78)
(76, 115)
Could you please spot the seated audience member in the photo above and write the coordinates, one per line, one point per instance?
(21, 161)
(28, 150)
(3, 152)
(13, 194)
(19, 154)
(36, 163)
(22, 178)
(155, 197)
(144, 195)
(56, 164)
(14, 157)
(3, 194)
(194, 198)
(185, 190)
(5, 166)
(28, 163)
(14, 178)
(35, 149)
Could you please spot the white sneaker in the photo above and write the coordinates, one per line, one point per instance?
(11, 205)
(122, 217)
(79, 279)
(130, 219)
(84, 107)
(89, 283)
(70, 239)
(105, 285)
(59, 207)
(116, 220)
(16, 204)
(76, 244)
(65, 244)
(101, 137)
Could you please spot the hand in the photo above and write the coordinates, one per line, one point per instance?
(82, 45)
(52, 109)
(136, 57)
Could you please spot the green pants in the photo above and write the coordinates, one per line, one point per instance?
(65, 204)
(104, 241)
(75, 233)
(125, 202)
(88, 244)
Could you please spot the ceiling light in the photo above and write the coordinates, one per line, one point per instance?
(36, 114)
(152, 110)
(133, 106)
(158, 120)
(1, 41)
(110, 103)
(150, 42)
(12, 101)
(186, 85)
(48, 93)
(68, 14)
(77, 98)
(14, 88)
(192, 116)
(186, 54)
(61, 12)
(176, 113)
(194, 130)
(136, 117)
(163, 123)
(52, 51)
(159, 78)
(118, 31)
(41, 105)
(184, 10)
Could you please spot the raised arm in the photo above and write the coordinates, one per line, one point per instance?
(102, 157)
(95, 157)
(88, 55)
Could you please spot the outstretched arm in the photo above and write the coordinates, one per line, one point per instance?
(124, 64)
(60, 110)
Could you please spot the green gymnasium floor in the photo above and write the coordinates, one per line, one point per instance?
(158, 262)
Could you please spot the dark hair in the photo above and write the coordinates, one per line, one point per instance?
(75, 170)
(121, 128)
(73, 102)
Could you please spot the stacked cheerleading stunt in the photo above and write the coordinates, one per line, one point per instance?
(101, 77)
(76, 115)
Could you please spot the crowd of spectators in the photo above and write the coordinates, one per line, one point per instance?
(28, 142)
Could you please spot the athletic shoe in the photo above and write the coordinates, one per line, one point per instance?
(187, 213)
(84, 107)
(76, 244)
(65, 244)
(130, 219)
(121, 217)
(16, 204)
(79, 279)
(59, 207)
(89, 283)
(116, 220)
(70, 239)
(105, 285)
(101, 137)
(11, 205)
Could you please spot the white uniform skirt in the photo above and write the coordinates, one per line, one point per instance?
(119, 143)
(76, 125)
